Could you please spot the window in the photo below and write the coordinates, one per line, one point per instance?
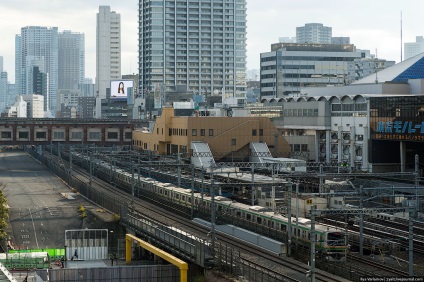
(304, 147)
(23, 135)
(194, 132)
(202, 132)
(210, 132)
(94, 135)
(233, 142)
(112, 135)
(253, 132)
(58, 135)
(76, 135)
(41, 135)
(261, 132)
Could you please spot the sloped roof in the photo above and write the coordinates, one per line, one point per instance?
(401, 72)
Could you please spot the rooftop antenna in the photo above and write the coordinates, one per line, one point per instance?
(401, 37)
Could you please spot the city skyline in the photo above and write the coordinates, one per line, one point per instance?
(372, 25)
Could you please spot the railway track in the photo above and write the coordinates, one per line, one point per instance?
(384, 269)
(250, 254)
(283, 269)
(382, 233)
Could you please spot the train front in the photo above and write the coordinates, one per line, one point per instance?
(336, 247)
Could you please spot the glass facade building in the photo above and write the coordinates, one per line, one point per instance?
(395, 123)
(192, 45)
(41, 43)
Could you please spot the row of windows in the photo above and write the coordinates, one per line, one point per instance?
(299, 147)
(73, 135)
(300, 112)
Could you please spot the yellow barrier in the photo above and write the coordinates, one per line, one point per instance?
(183, 266)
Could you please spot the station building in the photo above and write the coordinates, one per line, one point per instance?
(375, 124)
(228, 138)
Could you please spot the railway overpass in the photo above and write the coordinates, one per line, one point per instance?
(41, 131)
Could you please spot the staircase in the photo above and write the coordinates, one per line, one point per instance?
(258, 152)
(201, 155)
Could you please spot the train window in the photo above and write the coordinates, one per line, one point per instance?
(160, 191)
(283, 227)
(177, 196)
(189, 199)
(220, 208)
(183, 198)
(248, 216)
(259, 220)
(238, 214)
(166, 193)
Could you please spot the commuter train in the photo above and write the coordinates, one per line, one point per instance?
(330, 241)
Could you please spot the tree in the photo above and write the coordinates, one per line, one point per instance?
(4, 215)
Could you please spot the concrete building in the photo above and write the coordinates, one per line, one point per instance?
(71, 64)
(18, 109)
(40, 85)
(228, 138)
(41, 43)
(3, 87)
(108, 49)
(196, 46)
(364, 67)
(340, 40)
(87, 88)
(414, 48)
(314, 33)
(68, 97)
(290, 66)
(360, 123)
(35, 105)
(86, 107)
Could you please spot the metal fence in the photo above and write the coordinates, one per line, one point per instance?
(151, 273)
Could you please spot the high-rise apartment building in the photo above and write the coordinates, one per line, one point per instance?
(71, 71)
(414, 48)
(37, 42)
(108, 49)
(313, 33)
(194, 46)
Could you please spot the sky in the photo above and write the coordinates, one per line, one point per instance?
(371, 24)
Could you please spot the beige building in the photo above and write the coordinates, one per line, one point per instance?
(228, 137)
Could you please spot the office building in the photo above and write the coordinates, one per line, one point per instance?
(414, 48)
(196, 47)
(3, 85)
(290, 66)
(87, 88)
(314, 33)
(18, 109)
(35, 105)
(86, 107)
(40, 83)
(71, 71)
(108, 49)
(340, 40)
(37, 43)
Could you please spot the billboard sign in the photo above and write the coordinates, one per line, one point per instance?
(119, 89)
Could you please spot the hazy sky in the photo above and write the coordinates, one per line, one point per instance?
(370, 24)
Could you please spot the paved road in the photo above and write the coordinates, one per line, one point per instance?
(39, 213)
